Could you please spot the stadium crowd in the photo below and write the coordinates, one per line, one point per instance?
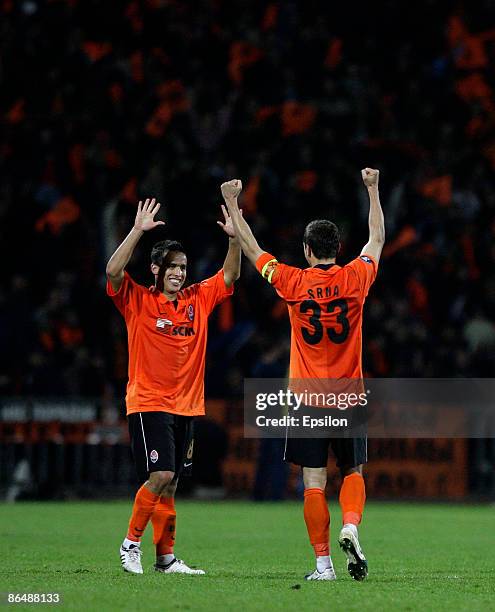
(102, 104)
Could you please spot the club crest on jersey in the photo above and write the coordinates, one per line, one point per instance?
(190, 312)
(366, 259)
(154, 456)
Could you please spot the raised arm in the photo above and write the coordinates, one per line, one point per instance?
(144, 221)
(232, 263)
(375, 220)
(249, 245)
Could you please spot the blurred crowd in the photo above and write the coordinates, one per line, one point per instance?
(104, 103)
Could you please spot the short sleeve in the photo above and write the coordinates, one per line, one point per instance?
(365, 267)
(285, 279)
(128, 297)
(213, 291)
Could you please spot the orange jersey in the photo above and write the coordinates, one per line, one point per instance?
(326, 313)
(167, 344)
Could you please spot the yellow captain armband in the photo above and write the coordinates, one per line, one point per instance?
(266, 266)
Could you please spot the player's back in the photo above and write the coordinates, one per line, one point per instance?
(326, 309)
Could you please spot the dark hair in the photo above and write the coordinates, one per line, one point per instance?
(161, 249)
(323, 238)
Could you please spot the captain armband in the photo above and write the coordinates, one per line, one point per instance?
(268, 269)
(266, 266)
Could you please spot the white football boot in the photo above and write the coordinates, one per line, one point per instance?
(328, 574)
(357, 566)
(177, 566)
(131, 559)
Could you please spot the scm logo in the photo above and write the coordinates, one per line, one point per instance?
(165, 326)
(182, 330)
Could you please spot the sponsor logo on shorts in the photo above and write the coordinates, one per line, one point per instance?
(190, 312)
(154, 456)
(366, 259)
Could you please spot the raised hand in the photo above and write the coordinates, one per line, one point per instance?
(370, 176)
(228, 226)
(231, 189)
(145, 215)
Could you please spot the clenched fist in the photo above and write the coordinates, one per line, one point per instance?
(370, 177)
(231, 189)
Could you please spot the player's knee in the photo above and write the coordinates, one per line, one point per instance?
(169, 490)
(347, 470)
(160, 480)
(315, 478)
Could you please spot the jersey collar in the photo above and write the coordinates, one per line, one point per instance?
(324, 266)
(163, 303)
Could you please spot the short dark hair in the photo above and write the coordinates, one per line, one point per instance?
(163, 247)
(323, 238)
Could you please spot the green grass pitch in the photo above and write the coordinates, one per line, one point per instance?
(421, 557)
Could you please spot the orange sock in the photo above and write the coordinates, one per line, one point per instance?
(317, 520)
(163, 520)
(352, 497)
(144, 505)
